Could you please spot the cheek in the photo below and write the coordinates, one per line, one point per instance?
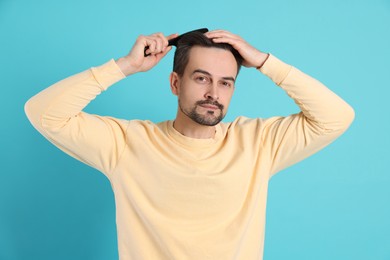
(227, 96)
(191, 91)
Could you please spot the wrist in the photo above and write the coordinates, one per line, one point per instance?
(125, 66)
(263, 59)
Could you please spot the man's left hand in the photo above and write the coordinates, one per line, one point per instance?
(252, 56)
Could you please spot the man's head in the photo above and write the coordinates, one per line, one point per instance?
(203, 78)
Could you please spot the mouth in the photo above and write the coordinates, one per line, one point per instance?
(210, 107)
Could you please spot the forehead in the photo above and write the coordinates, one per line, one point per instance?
(218, 62)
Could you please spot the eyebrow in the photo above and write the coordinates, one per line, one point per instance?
(209, 74)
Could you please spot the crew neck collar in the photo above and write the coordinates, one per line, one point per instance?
(194, 142)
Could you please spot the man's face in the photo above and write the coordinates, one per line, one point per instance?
(207, 85)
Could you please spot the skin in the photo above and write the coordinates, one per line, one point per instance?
(209, 77)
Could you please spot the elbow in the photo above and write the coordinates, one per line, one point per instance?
(345, 117)
(28, 110)
(337, 122)
(348, 116)
(33, 113)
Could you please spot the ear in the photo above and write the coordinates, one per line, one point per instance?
(174, 80)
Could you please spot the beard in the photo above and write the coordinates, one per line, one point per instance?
(209, 119)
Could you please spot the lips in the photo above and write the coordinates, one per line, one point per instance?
(210, 107)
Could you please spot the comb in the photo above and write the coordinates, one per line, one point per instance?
(174, 41)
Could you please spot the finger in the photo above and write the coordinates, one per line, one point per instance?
(172, 36)
(146, 42)
(161, 42)
(141, 45)
(156, 43)
(237, 43)
(150, 45)
(161, 55)
(158, 46)
(221, 34)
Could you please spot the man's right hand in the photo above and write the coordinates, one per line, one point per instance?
(135, 61)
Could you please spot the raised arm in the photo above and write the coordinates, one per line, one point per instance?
(56, 112)
(324, 116)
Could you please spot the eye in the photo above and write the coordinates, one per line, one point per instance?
(226, 84)
(202, 79)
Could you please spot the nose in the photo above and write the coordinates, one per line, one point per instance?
(212, 92)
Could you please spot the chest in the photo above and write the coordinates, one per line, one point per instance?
(189, 185)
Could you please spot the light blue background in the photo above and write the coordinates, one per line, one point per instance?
(334, 205)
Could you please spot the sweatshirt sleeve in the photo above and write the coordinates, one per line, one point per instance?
(324, 116)
(56, 113)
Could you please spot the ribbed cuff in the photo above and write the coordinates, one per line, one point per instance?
(275, 69)
(107, 74)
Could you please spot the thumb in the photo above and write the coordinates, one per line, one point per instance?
(172, 36)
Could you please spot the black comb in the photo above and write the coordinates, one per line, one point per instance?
(173, 42)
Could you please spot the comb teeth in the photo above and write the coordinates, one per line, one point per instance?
(173, 42)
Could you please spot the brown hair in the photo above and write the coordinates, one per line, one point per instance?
(192, 39)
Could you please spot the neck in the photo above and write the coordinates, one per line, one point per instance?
(187, 127)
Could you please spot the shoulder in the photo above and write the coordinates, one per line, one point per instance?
(146, 127)
(243, 123)
(248, 126)
(143, 125)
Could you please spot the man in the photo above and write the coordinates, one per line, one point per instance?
(193, 187)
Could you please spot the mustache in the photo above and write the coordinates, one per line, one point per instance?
(209, 102)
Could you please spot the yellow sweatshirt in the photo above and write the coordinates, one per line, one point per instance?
(183, 198)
